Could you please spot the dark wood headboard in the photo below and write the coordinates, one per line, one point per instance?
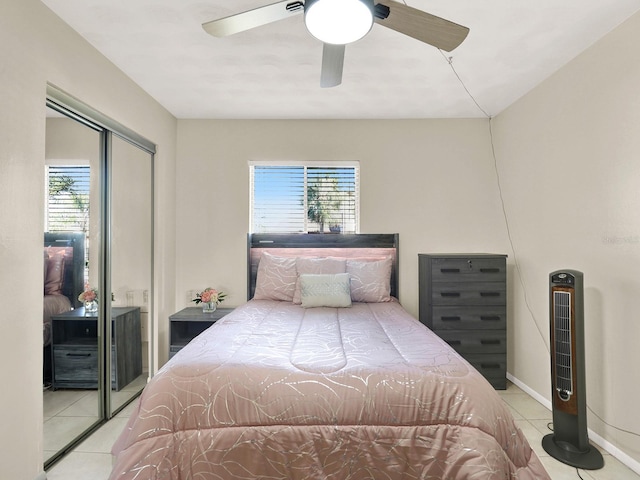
(73, 283)
(321, 244)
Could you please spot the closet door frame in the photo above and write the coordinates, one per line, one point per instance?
(75, 109)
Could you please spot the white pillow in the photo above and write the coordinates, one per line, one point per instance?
(325, 290)
(276, 278)
(370, 280)
(307, 265)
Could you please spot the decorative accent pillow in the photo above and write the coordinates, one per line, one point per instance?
(276, 278)
(370, 280)
(317, 266)
(55, 274)
(325, 290)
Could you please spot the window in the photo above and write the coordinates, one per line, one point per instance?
(67, 202)
(68, 199)
(304, 198)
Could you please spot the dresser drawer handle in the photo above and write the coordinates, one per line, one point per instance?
(449, 270)
(489, 294)
(454, 342)
(451, 319)
(78, 354)
(490, 270)
(490, 365)
(450, 294)
(490, 318)
(490, 342)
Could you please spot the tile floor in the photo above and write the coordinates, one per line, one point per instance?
(92, 459)
(532, 417)
(68, 413)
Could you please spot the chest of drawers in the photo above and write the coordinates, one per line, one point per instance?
(463, 299)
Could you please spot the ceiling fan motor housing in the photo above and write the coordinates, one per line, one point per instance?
(339, 21)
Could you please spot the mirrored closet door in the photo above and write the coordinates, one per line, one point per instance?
(131, 249)
(99, 238)
(72, 244)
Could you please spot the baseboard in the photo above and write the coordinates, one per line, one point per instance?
(529, 391)
(632, 463)
(614, 451)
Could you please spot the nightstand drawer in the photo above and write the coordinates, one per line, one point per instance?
(475, 341)
(76, 363)
(493, 317)
(463, 269)
(470, 293)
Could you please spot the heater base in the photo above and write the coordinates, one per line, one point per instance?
(591, 459)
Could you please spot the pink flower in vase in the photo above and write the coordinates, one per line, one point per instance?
(209, 295)
(89, 294)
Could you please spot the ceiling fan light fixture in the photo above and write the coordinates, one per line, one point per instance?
(338, 21)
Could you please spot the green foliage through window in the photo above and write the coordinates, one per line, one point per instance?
(68, 201)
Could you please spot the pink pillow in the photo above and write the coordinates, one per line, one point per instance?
(370, 280)
(46, 265)
(316, 266)
(276, 278)
(55, 274)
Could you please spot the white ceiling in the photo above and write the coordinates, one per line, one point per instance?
(274, 71)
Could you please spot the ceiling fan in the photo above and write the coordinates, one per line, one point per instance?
(339, 22)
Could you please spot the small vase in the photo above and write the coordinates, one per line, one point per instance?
(90, 307)
(209, 307)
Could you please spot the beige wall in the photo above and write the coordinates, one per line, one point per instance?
(569, 158)
(431, 181)
(36, 48)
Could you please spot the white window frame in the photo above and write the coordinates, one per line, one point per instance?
(306, 164)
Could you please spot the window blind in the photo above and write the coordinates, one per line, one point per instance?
(68, 199)
(304, 198)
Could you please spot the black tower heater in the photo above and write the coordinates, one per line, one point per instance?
(569, 442)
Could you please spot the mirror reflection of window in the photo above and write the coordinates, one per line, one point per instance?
(68, 202)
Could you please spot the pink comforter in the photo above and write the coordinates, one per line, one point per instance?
(274, 391)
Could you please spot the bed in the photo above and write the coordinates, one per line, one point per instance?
(63, 281)
(302, 383)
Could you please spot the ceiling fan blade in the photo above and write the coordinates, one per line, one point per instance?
(332, 63)
(253, 18)
(421, 25)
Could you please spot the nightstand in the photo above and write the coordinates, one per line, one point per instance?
(188, 323)
(74, 345)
